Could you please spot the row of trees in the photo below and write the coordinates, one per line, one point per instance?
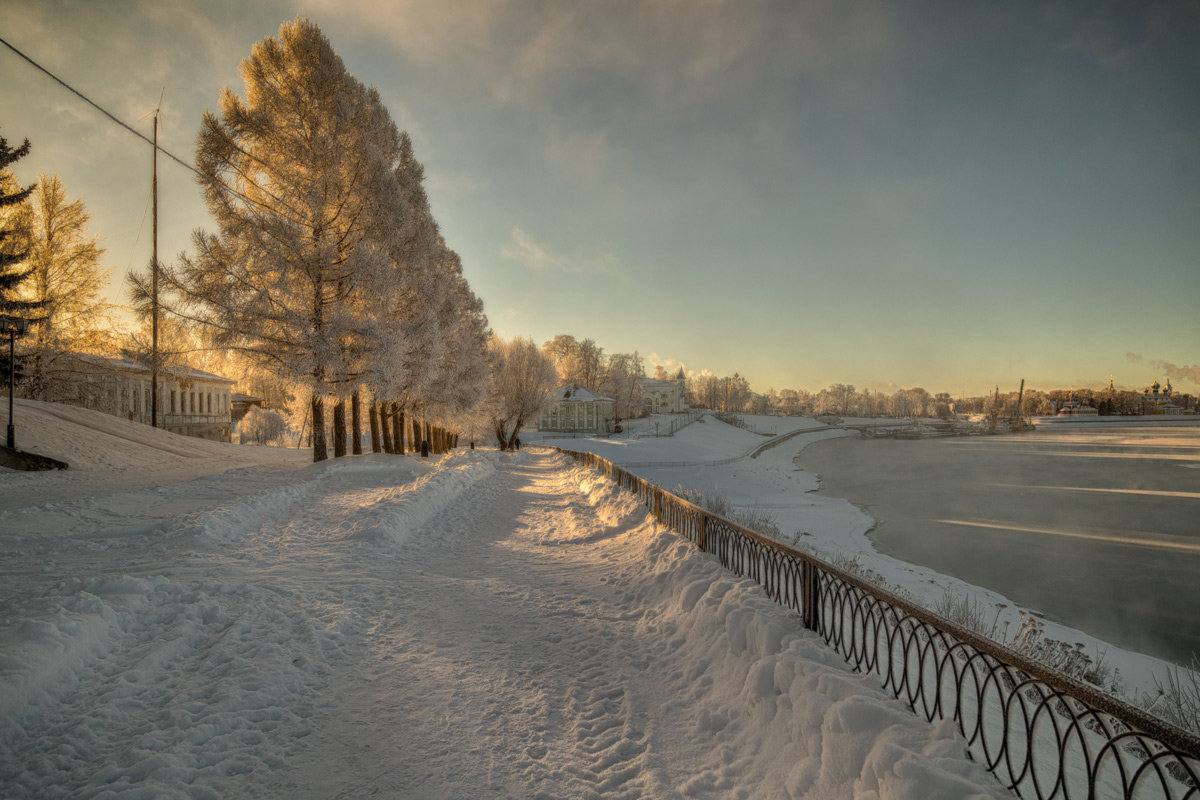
(326, 274)
(1108, 401)
(733, 394)
(326, 268)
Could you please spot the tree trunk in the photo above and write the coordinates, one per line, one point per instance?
(373, 413)
(318, 429)
(339, 429)
(355, 425)
(397, 429)
(385, 430)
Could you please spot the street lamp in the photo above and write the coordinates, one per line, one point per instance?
(14, 327)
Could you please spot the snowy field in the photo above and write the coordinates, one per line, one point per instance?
(183, 619)
(831, 527)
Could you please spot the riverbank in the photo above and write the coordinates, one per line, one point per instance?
(1094, 526)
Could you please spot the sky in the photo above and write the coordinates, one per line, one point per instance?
(952, 195)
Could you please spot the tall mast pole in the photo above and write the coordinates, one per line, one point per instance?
(154, 292)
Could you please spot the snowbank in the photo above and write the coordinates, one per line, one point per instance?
(108, 454)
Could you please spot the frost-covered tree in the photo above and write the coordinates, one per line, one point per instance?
(577, 361)
(705, 390)
(456, 368)
(912, 402)
(623, 383)
(299, 177)
(402, 329)
(65, 281)
(522, 379)
(261, 426)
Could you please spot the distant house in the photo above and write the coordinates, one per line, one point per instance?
(575, 409)
(190, 401)
(664, 397)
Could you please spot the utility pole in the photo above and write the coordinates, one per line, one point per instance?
(154, 288)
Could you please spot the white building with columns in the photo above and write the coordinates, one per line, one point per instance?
(575, 409)
(191, 402)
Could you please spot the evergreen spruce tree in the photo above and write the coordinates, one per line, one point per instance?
(14, 244)
(14, 240)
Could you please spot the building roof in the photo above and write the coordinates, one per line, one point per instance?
(574, 393)
(128, 364)
(655, 383)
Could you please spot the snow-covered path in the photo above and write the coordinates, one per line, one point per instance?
(508, 665)
(489, 627)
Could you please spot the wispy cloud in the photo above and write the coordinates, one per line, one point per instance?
(1166, 369)
(1184, 372)
(537, 257)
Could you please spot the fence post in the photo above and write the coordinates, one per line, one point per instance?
(702, 533)
(810, 592)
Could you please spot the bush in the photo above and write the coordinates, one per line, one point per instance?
(753, 518)
(261, 426)
(1178, 701)
(1029, 640)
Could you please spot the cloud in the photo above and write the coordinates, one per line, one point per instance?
(530, 52)
(537, 257)
(671, 365)
(1176, 372)
(1183, 372)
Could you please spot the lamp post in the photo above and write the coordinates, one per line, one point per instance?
(14, 327)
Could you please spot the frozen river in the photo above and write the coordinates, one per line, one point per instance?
(1097, 526)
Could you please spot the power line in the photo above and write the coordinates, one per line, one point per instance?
(127, 127)
(98, 107)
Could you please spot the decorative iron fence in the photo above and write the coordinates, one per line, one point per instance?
(1043, 734)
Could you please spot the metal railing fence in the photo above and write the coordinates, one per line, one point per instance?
(1041, 733)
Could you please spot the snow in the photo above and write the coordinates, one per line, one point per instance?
(480, 625)
(705, 442)
(715, 458)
